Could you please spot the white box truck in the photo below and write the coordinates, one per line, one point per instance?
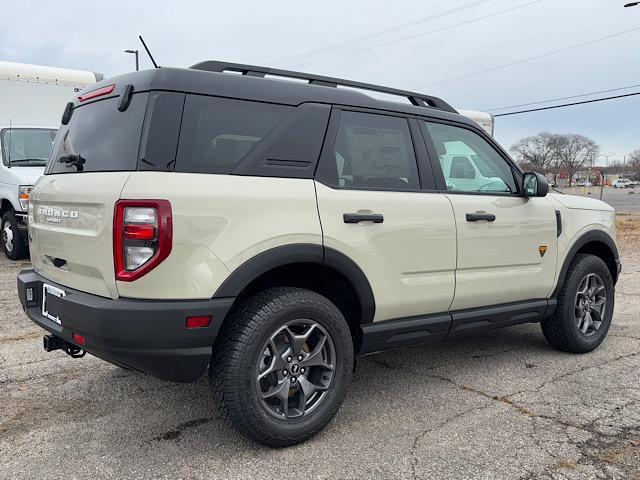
(32, 99)
(484, 119)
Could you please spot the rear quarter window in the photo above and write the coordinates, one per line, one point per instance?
(106, 138)
(217, 133)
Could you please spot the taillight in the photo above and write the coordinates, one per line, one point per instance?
(142, 236)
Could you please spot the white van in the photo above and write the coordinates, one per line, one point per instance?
(32, 99)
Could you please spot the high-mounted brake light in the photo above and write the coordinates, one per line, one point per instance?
(142, 236)
(97, 93)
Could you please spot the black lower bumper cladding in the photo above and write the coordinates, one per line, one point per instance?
(146, 335)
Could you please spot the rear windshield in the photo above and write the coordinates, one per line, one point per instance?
(26, 147)
(100, 138)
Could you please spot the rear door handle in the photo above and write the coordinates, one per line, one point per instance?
(476, 217)
(362, 217)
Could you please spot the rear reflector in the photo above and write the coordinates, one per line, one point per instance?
(139, 232)
(79, 339)
(199, 322)
(97, 93)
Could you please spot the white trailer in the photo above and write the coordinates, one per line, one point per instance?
(484, 119)
(32, 99)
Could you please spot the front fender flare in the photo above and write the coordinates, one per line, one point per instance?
(591, 236)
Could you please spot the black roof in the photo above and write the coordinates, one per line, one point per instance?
(207, 78)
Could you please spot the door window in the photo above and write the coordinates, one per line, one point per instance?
(372, 151)
(469, 163)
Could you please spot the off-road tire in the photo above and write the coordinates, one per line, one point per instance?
(239, 346)
(19, 249)
(561, 330)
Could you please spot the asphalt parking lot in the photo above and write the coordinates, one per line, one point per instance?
(624, 200)
(502, 405)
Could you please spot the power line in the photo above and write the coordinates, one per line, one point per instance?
(411, 37)
(396, 28)
(535, 57)
(561, 98)
(567, 104)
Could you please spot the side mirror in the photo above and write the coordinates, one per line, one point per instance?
(534, 185)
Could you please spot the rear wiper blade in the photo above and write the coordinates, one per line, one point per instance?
(21, 160)
(75, 160)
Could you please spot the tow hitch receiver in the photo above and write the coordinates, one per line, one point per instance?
(51, 343)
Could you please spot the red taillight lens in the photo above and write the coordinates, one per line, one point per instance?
(79, 339)
(139, 232)
(97, 93)
(199, 321)
(142, 236)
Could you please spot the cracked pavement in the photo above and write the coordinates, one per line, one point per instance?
(500, 405)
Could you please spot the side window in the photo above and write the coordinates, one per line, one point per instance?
(469, 163)
(372, 151)
(217, 133)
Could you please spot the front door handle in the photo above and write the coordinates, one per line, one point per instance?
(476, 217)
(362, 217)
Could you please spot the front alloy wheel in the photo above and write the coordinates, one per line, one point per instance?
(7, 236)
(10, 239)
(591, 304)
(584, 306)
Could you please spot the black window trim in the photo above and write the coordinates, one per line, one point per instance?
(439, 174)
(425, 170)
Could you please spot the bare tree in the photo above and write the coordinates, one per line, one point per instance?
(633, 162)
(574, 152)
(537, 152)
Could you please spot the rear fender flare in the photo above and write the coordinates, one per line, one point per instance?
(284, 255)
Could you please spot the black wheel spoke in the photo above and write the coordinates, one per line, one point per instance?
(316, 358)
(280, 391)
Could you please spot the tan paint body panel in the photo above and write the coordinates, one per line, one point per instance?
(579, 217)
(85, 242)
(409, 259)
(499, 262)
(220, 222)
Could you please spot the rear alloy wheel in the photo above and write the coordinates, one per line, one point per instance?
(296, 369)
(10, 239)
(281, 365)
(585, 307)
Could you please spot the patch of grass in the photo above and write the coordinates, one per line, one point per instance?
(628, 230)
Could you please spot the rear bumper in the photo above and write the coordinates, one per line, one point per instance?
(147, 335)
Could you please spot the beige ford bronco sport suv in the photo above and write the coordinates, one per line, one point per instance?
(272, 230)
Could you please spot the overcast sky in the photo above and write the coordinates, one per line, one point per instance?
(461, 39)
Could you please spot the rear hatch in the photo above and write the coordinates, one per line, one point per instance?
(72, 206)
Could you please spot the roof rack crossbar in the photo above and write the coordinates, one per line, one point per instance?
(417, 99)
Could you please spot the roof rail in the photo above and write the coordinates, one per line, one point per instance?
(417, 99)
